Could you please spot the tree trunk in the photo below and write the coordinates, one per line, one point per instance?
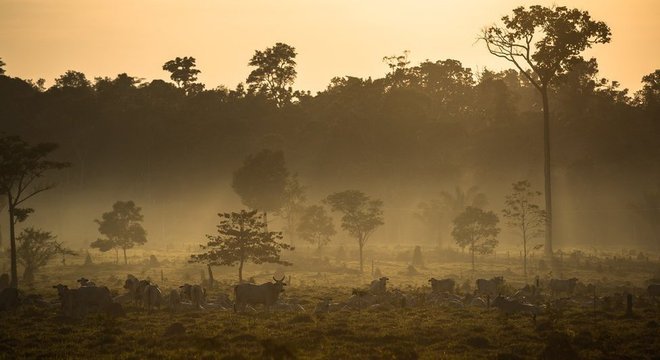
(211, 281)
(472, 251)
(125, 259)
(116, 256)
(361, 246)
(12, 245)
(525, 256)
(547, 173)
(240, 272)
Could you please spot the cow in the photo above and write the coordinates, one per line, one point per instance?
(490, 287)
(8, 298)
(513, 306)
(85, 282)
(4, 281)
(195, 293)
(653, 290)
(378, 286)
(150, 295)
(444, 285)
(80, 301)
(132, 284)
(174, 299)
(250, 294)
(562, 286)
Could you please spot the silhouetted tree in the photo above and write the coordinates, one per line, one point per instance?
(21, 168)
(261, 181)
(122, 228)
(241, 239)
(316, 226)
(183, 72)
(524, 215)
(35, 249)
(73, 79)
(564, 34)
(274, 74)
(361, 215)
(477, 229)
(2, 67)
(648, 209)
(649, 96)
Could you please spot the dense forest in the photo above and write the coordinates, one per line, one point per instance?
(419, 130)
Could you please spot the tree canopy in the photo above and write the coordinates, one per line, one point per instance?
(122, 228)
(241, 238)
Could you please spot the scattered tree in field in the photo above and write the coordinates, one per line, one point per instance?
(73, 80)
(35, 249)
(361, 215)
(477, 230)
(316, 226)
(64, 251)
(122, 228)
(561, 34)
(274, 74)
(183, 72)
(293, 206)
(262, 180)
(21, 168)
(524, 215)
(241, 238)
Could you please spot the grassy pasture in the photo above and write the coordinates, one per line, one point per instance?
(388, 332)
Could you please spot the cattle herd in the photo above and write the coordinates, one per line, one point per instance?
(530, 299)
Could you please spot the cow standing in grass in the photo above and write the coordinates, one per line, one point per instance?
(563, 286)
(379, 286)
(444, 285)
(196, 294)
(490, 287)
(266, 294)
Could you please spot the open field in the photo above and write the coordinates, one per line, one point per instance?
(564, 330)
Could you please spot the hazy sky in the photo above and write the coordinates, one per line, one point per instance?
(44, 38)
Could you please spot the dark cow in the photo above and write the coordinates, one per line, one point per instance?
(563, 286)
(8, 298)
(249, 294)
(513, 306)
(80, 301)
(85, 282)
(194, 293)
(132, 284)
(653, 290)
(490, 287)
(444, 285)
(379, 286)
(4, 281)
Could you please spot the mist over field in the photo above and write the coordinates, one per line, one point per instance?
(436, 209)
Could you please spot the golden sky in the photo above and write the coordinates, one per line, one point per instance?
(44, 38)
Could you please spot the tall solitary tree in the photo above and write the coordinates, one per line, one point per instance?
(262, 180)
(35, 249)
(22, 166)
(241, 238)
(361, 215)
(477, 229)
(122, 228)
(542, 43)
(292, 207)
(524, 215)
(274, 74)
(183, 72)
(316, 226)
